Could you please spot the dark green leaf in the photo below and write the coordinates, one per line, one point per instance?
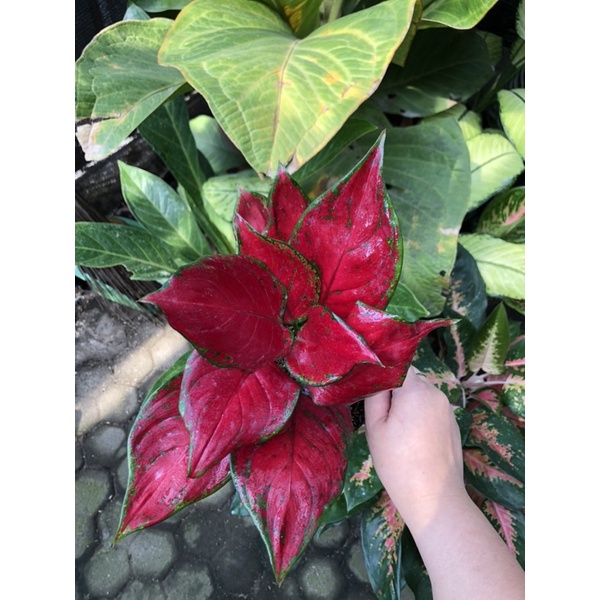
(458, 339)
(301, 15)
(162, 211)
(443, 67)
(405, 304)
(427, 166)
(106, 245)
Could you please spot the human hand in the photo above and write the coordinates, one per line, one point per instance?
(414, 441)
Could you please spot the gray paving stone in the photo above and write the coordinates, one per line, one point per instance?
(92, 489)
(151, 553)
(356, 562)
(142, 590)
(123, 474)
(334, 537)
(79, 458)
(320, 579)
(406, 594)
(108, 519)
(189, 582)
(241, 559)
(107, 571)
(219, 499)
(105, 445)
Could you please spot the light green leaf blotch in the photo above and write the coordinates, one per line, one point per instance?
(501, 264)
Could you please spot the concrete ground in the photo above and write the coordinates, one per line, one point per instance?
(201, 553)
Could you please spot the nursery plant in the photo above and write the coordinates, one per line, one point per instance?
(353, 202)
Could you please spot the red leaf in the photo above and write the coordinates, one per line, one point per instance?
(227, 408)
(393, 341)
(295, 273)
(351, 234)
(288, 204)
(325, 349)
(158, 448)
(255, 209)
(230, 308)
(286, 482)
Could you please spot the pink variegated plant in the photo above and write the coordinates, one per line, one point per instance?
(286, 335)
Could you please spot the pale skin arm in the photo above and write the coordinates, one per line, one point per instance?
(415, 444)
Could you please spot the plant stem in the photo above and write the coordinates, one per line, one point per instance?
(335, 10)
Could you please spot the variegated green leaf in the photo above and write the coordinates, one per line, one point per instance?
(457, 13)
(458, 338)
(467, 296)
(512, 115)
(102, 245)
(495, 164)
(118, 83)
(280, 99)
(491, 481)
(381, 529)
(499, 439)
(427, 167)
(510, 524)
(504, 216)
(513, 389)
(438, 373)
(162, 211)
(361, 483)
(501, 264)
(490, 344)
(443, 67)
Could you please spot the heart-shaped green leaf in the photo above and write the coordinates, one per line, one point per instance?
(279, 98)
(119, 83)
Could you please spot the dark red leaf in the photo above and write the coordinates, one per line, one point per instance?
(288, 204)
(230, 308)
(295, 273)
(393, 341)
(286, 482)
(255, 209)
(325, 349)
(158, 448)
(226, 408)
(351, 234)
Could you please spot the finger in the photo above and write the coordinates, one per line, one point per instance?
(377, 408)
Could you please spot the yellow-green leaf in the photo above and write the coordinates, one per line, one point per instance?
(118, 83)
(279, 98)
(501, 264)
(512, 115)
(458, 14)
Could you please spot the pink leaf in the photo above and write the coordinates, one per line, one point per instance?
(230, 308)
(393, 341)
(290, 268)
(158, 448)
(325, 349)
(226, 408)
(286, 482)
(288, 204)
(351, 234)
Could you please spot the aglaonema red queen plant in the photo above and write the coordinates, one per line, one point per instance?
(286, 335)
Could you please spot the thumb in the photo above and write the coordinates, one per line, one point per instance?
(377, 408)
